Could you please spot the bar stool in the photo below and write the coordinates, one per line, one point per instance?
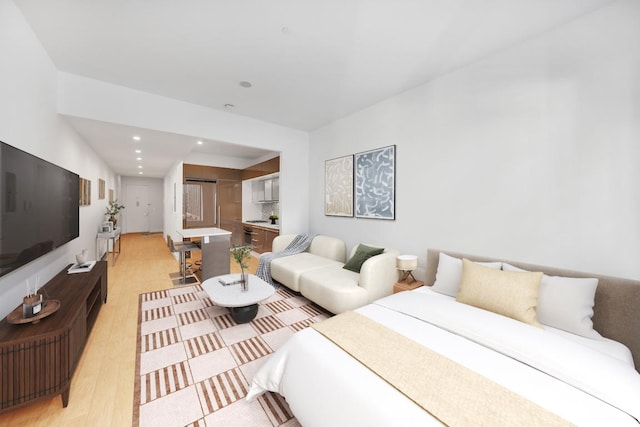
(183, 248)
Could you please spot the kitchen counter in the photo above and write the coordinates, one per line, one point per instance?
(202, 232)
(214, 247)
(262, 224)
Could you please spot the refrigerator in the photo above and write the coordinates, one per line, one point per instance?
(214, 203)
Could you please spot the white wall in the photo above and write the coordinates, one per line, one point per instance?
(530, 154)
(28, 84)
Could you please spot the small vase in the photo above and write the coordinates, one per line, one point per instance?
(244, 281)
(273, 221)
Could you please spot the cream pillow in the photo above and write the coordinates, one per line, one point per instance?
(566, 303)
(449, 273)
(509, 293)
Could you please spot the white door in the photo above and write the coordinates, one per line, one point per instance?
(137, 209)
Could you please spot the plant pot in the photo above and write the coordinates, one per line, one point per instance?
(273, 221)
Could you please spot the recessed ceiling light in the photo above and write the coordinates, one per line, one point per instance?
(199, 142)
(229, 106)
(245, 84)
(137, 138)
(138, 158)
(140, 173)
(138, 151)
(139, 166)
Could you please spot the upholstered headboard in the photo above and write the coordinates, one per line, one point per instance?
(617, 305)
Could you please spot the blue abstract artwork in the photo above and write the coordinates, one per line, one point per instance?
(375, 173)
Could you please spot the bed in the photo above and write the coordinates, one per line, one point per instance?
(567, 377)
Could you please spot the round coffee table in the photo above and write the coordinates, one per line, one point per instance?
(242, 304)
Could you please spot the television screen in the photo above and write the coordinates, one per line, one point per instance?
(39, 207)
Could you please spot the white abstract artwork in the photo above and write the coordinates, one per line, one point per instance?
(338, 186)
(375, 173)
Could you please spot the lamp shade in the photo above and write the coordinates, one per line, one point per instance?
(407, 262)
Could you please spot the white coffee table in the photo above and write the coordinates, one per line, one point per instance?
(242, 304)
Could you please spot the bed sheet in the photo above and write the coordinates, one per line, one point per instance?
(325, 386)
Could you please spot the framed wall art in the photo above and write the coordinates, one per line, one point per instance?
(338, 186)
(375, 176)
(85, 192)
(101, 185)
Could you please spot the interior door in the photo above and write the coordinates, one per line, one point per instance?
(137, 209)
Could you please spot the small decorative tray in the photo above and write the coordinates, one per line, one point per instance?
(49, 307)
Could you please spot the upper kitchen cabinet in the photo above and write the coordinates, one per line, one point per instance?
(266, 190)
(267, 167)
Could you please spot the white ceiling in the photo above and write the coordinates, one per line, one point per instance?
(309, 62)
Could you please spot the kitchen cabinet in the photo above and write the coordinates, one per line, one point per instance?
(266, 190)
(262, 238)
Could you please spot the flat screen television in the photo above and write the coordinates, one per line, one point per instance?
(38, 206)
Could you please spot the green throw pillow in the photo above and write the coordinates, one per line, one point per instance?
(362, 254)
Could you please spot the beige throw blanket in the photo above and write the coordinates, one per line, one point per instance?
(450, 392)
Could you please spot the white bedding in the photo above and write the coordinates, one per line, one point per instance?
(325, 386)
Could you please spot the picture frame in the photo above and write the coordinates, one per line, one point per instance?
(375, 176)
(338, 186)
(84, 192)
(101, 187)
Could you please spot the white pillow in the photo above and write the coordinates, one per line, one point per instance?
(566, 303)
(449, 274)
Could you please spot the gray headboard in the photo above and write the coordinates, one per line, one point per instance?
(617, 306)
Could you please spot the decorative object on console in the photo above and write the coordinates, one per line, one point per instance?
(375, 175)
(112, 210)
(406, 264)
(81, 258)
(273, 218)
(338, 186)
(240, 255)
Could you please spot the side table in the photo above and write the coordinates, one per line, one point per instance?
(406, 286)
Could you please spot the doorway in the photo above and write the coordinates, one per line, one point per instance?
(137, 209)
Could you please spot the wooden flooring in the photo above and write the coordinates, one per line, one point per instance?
(102, 386)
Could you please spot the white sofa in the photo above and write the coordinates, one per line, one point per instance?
(318, 274)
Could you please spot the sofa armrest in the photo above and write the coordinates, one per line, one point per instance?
(378, 274)
(281, 242)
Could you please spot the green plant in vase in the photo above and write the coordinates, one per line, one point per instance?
(112, 210)
(241, 255)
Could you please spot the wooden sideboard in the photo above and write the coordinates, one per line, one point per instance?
(38, 359)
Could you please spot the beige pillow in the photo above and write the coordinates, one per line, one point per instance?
(509, 293)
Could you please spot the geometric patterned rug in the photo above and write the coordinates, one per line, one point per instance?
(194, 363)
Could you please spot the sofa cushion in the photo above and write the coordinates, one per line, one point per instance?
(334, 289)
(287, 270)
(362, 254)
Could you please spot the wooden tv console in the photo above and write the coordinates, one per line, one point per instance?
(38, 359)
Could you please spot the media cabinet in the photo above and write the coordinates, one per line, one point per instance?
(38, 359)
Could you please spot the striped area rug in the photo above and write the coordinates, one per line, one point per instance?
(195, 364)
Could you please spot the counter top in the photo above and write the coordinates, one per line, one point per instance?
(263, 225)
(202, 232)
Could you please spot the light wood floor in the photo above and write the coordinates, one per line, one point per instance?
(102, 385)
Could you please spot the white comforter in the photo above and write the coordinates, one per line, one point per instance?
(324, 386)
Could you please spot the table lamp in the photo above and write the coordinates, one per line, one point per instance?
(407, 263)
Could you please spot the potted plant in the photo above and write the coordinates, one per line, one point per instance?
(112, 210)
(241, 255)
(273, 218)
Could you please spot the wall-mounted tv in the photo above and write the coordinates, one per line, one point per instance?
(38, 206)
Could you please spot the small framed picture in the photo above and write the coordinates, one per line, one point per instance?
(107, 227)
